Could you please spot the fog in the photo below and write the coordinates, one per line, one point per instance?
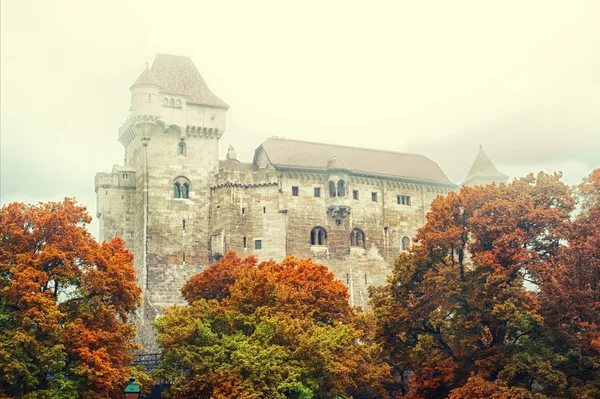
(437, 78)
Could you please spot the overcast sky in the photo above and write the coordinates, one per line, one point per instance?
(522, 78)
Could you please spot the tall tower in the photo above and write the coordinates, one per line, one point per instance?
(483, 172)
(159, 201)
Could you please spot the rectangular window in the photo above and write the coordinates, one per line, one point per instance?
(348, 278)
(245, 243)
(374, 197)
(264, 209)
(183, 257)
(243, 211)
(125, 176)
(295, 191)
(317, 192)
(183, 225)
(106, 192)
(404, 200)
(257, 244)
(355, 195)
(365, 278)
(122, 197)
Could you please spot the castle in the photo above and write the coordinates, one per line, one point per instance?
(179, 207)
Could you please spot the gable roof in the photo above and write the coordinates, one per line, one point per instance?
(483, 167)
(294, 154)
(177, 74)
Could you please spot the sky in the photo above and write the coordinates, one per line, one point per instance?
(521, 78)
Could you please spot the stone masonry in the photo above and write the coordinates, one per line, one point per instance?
(179, 208)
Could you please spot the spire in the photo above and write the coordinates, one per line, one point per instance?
(146, 78)
(483, 171)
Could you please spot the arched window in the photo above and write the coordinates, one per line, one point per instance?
(341, 191)
(318, 236)
(172, 103)
(331, 189)
(405, 243)
(165, 101)
(181, 188)
(178, 103)
(181, 148)
(357, 238)
(185, 191)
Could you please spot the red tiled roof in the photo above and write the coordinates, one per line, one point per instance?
(285, 153)
(178, 75)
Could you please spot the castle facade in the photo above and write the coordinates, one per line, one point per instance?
(179, 208)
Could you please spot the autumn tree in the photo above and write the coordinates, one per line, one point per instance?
(65, 302)
(461, 316)
(268, 330)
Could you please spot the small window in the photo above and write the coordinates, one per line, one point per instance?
(365, 278)
(106, 192)
(347, 278)
(341, 190)
(357, 238)
(183, 257)
(331, 189)
(405, 245)
(374, 197)
(317, 192)
(181, 148)
(183, 225)
(125, 176)
(165, 101)
(176, 190)
(172, 102)
(149, 98)
(257, 244)
(318, 236)
(122, 197)
(264, 209)
(245, 243)
(243, 211)
(403, 200)
(295, 191)
(355, 195)
(178, 103)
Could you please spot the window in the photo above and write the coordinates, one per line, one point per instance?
(355, 195)
(295, 191)
(183, 257)
(106, 192)
(341, 191)
(318, 236)
(365, 278)
(374, 197)
(172, 102)
(331, 189)
(403, 200)
(264, 209)
(317, 192)
(245, 243)
(122, 197)
(125, 176)
(149, 98)
(165, 101)
(257, 244)
(243, 212)
(181, 148)
(183, 225)
(178, 103)
(181, 188)
(357, 238)
(405, 243)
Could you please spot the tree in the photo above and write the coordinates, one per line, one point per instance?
(456, 319)
(268, 330)
(65, 302)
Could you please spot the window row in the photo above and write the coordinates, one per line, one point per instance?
(171, 102)
(318, 236)
(339, 190)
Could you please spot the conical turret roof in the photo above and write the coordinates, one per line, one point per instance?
(146, 78)
(484, 168)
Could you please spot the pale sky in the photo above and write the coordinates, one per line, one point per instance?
(522, 78)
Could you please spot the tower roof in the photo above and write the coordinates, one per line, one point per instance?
(146, 78)
(178, 75)
(483, 167)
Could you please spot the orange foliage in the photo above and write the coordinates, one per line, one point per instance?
(65, 303)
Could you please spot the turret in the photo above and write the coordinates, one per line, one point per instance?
(145, 98)
(483, 172)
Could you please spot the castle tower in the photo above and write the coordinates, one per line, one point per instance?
(159, 202)
(483, 172)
